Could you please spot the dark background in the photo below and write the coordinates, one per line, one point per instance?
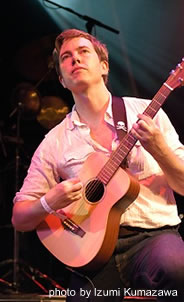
(149, 45)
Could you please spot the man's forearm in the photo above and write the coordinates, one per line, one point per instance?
(27, 215)
(173, 168)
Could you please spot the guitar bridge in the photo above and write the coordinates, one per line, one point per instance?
(71, 226)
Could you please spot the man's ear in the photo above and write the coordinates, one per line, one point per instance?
(62, 81)
(105, 67)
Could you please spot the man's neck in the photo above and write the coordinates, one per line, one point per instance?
(92, 105)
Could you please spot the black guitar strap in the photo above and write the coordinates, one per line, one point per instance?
(120, 118)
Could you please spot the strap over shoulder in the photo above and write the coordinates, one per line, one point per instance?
(119, 116)
(120, 120)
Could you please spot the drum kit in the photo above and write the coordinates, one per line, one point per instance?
(34, 63)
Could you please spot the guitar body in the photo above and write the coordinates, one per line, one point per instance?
(98, 219)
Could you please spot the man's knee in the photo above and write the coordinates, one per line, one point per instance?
(170, 258)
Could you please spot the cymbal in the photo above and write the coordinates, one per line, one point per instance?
(34, 60)
(27, 98)
(53, 111)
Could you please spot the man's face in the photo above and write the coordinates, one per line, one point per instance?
(80, 65)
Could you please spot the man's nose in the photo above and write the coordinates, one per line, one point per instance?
(75, 59)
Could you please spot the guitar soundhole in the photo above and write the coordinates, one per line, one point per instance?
(94, 190)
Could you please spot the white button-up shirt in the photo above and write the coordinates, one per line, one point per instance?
(65, 148)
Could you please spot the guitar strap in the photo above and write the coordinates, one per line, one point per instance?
(119, 116)
(120, 119)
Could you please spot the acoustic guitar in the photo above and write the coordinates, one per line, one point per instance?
(84, 234)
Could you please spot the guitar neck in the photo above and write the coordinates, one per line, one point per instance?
(158, 100)
(127, 143)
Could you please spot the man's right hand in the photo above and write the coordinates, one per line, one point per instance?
(64, 193)
(27, 214)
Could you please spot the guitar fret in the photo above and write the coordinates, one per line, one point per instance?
(128, 144)
(103, 178)
(120, 157)
(103, 175)
(156, 100)
(113, 164)
(107, 172)
(125, 147)
(117, 157)
(162, 94)
(109, 168)
(132, 138)
(169, 87)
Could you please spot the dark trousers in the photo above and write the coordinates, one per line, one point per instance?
(149, 260)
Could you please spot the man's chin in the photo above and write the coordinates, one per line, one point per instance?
(78, 85)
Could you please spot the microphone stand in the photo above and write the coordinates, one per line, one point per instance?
(90, 21)
(15, 261)
(17, 168)
(20, 266)
(15, 284)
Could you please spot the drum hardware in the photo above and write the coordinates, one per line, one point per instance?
(28, 104)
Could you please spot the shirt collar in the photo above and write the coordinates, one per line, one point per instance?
(73, 117)
(108, 114)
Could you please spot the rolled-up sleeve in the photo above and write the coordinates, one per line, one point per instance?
(42, 173)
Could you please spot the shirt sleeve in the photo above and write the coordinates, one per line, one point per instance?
(170, 133)
(141, 163)
(42, 174)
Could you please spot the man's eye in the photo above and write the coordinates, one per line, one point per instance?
(84, 50)
(63, 58)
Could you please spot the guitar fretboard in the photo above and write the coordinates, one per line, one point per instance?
(127, 143)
